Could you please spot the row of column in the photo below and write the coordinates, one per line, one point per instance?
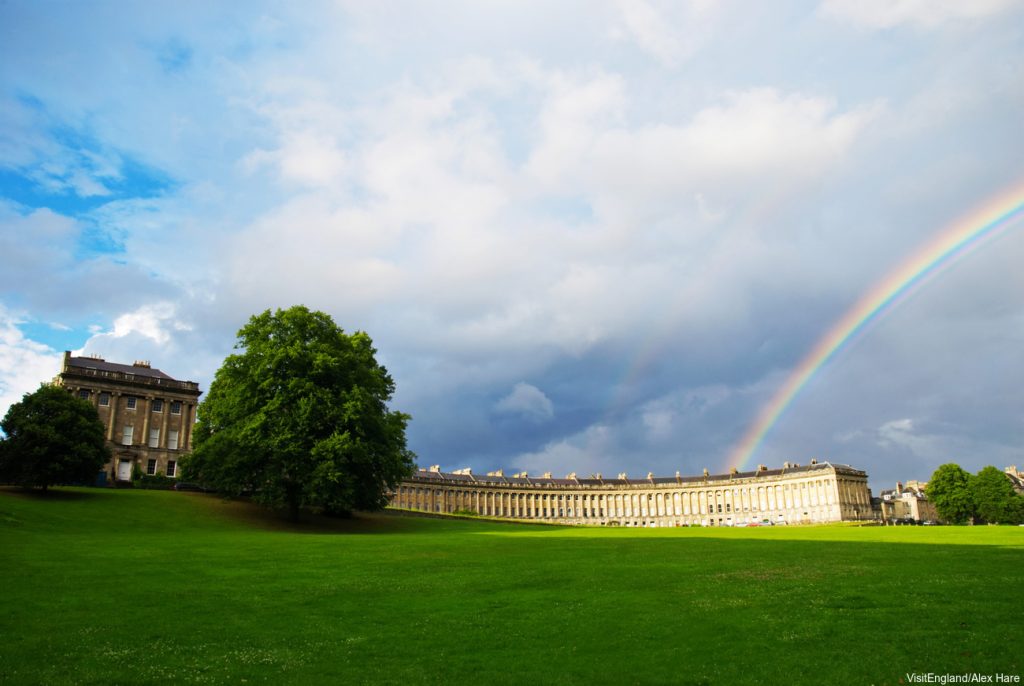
(819, 495)
(144, 404)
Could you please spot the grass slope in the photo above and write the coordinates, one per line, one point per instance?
(104, 586)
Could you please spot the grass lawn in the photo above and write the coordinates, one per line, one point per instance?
(120, 586)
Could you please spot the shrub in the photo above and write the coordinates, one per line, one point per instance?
(155, 482)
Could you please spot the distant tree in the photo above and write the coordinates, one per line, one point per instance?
(995, 501)
(51, 438)
(950, 490)
(298, 418)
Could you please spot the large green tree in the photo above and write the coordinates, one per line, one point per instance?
(995, 501)
(950, 490)
(51, 438)
(298, 418)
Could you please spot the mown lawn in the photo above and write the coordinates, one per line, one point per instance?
(104, 586)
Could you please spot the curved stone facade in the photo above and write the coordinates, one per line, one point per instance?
(814, 493)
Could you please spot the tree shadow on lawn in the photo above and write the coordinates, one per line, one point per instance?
(244, 511)
(55, 493)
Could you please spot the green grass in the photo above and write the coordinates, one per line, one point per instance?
(104, 586)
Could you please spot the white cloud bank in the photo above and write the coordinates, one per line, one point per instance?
(24, 364)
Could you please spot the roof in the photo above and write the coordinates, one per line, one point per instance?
(593, 482)
(104, 366)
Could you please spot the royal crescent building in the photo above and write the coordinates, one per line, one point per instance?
(795, 494)
(148, 415)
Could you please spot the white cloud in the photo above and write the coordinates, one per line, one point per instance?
(902, 433)
(752, 140)
(24, 363)
(527, 401)
(588, 451)
(670, 32)
(304, 157)
(658, 422)
(150, 321)
(885, 14)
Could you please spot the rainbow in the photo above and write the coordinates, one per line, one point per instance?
(980, 226)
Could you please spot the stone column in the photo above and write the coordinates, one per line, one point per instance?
(113, 414)
(163, 425)
(147, 406)
(187, 420)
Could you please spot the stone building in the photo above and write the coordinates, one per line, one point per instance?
(148, 415)
(795, 494)
(907, 502)
(1016, 478)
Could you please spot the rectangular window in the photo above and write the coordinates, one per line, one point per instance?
(126, 435)
(151, 467)
(83, 393)
(172, 439)
(172, 467)
(154, 438)
(130, 402)
(158, 405)
(104, 399)
(175, 407)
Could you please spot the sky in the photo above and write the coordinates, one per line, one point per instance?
(591, 237)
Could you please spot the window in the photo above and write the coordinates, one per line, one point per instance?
(130, 402)
(151, 467)
(104, 399)
(126, 435)
(172, 439)
(158, 405)
(154, 438)
(175, 407)
(83, 393)
(172, 468)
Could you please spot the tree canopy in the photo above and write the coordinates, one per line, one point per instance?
(995, 501)
(52, 438)
(298, 418)
(949, 489)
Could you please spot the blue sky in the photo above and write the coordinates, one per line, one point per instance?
(585, 236)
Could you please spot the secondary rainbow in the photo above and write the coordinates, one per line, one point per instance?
(982, 225)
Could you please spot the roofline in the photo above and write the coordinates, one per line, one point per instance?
(526, 481)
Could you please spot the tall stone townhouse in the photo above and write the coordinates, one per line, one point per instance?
(148, 414)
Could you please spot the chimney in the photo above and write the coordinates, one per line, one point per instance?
(435, 468)
(622, 476)
(141, 363)
(547, 475)
(570, 475)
